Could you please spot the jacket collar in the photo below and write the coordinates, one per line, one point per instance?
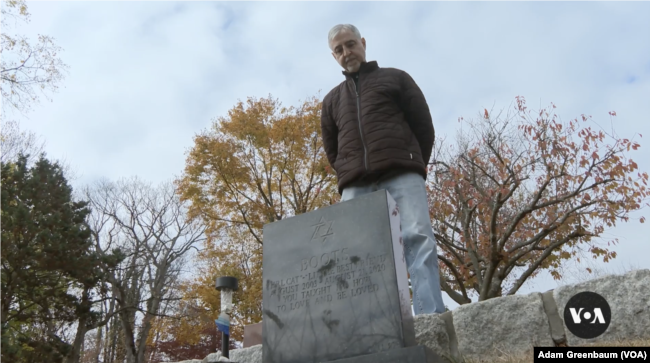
(366, 67)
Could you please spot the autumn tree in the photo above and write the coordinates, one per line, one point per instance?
(233, 256)
(24, 68)
(259, 164)
(524, 193)
(190, 334)
(29, 68)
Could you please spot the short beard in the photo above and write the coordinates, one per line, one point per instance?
(353, 69)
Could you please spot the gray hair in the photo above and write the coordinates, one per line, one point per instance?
(337, 29)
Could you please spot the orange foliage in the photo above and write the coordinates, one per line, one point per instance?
(260, 164)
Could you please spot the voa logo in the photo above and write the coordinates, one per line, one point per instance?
(597, 315)
(587, 315)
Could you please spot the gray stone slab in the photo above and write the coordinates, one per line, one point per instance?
(418, 354)
(628, 297)
(335, 283)
(431, 332)
(247, 355)
(252, 335)
(448, 318)
(554, 321)
(513, 324)
(215, 357)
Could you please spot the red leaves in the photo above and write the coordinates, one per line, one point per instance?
(521, 103)
(541, 176)
(612, 113)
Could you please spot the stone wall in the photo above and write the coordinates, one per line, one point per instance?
(514, 324)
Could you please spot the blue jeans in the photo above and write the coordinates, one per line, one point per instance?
(409, 192)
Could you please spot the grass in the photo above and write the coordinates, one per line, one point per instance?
(502, 356)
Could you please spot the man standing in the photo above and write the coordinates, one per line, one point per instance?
(378, 134)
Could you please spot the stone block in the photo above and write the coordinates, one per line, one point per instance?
(215, 357)
(247, 355)
(628, 297)
(513, 324)
(335, 283)
(431, 331)
(252, 335)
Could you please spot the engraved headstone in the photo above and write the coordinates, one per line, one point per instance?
(335, 284)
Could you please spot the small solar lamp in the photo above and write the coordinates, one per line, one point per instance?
(227, 285)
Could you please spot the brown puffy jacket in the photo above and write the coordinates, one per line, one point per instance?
(386, 126)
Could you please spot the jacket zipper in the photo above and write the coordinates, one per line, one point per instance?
(365, 151)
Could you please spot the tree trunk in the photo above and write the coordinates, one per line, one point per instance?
(153, 306)
(78, 341)
(82, 327)
(98, 348)
(115, 348)
(128, 341)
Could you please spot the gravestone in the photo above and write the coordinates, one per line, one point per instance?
(252, 335)
(336, 287)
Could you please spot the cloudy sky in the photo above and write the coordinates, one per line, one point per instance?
(145, 77)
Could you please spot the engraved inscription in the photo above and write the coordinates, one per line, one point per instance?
(323, 260)
(325, 277)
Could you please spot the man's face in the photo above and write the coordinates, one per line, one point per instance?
(348, 50)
